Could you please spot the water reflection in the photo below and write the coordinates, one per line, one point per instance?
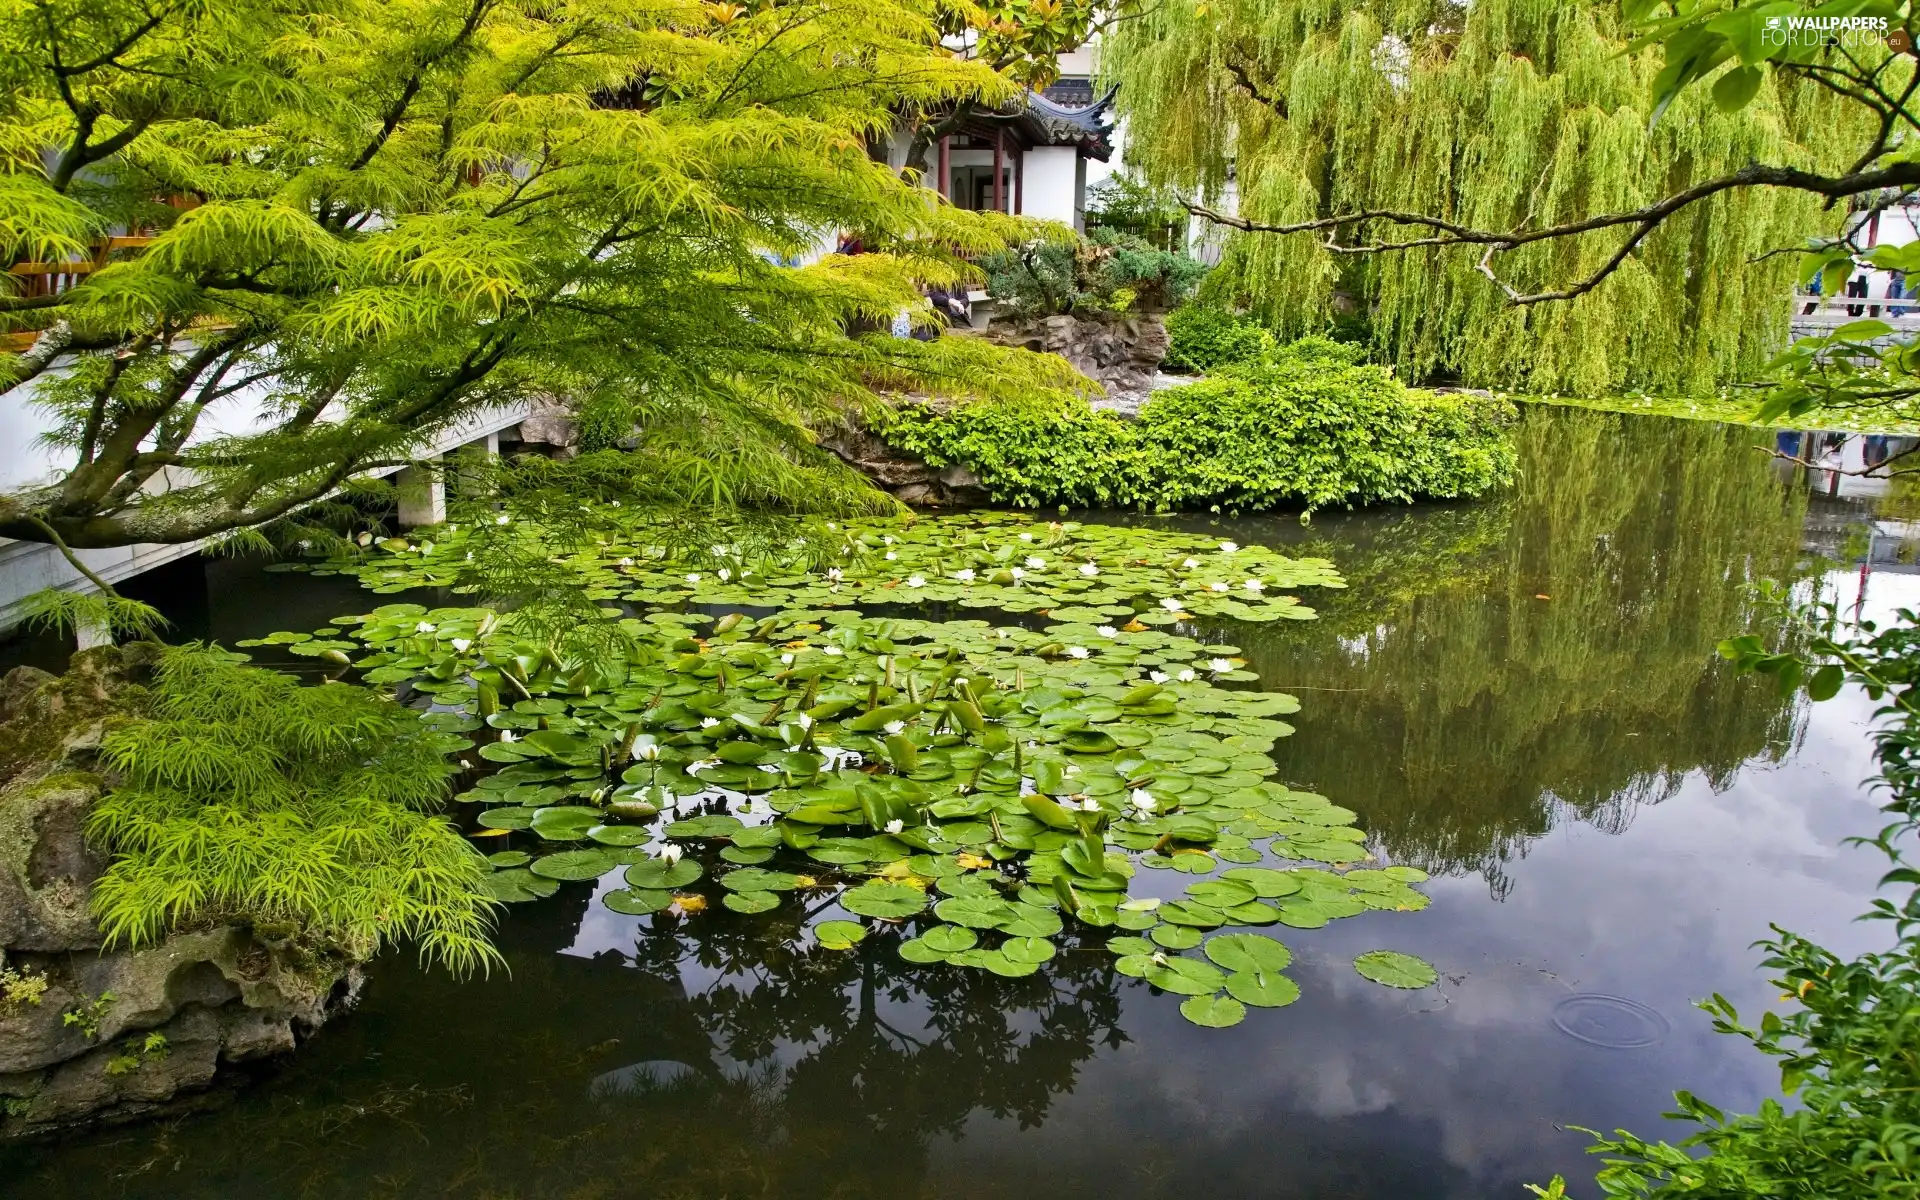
(1524, 690)
(743, 1061)
(1498, 669)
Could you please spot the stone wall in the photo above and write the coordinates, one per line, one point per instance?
(92, 1035)
(1122, 356)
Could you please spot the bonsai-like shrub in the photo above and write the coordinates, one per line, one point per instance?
(244, 796)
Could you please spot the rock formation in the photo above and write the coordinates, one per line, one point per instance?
(88, 1034)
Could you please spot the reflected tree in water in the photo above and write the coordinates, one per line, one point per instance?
(723, 1056)
(1550, 656)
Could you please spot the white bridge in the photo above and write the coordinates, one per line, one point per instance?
(29, 567)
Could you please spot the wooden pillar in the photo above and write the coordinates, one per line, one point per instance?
(946, 166)
(999, 160)
(1019, 181)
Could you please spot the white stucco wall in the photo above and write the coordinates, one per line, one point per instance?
(1048, 189)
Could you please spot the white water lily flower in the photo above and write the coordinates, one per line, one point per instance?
(1170, 604)
(1229, 547)
(894, 726)
(717, 551)
(1089, 569)
(1107, 631)
(1089, 805)
(1191, 563)
(626, 562)
(724, 574)
(1219, 665)
(460, 644)
(1018, 573)
(502, 519)
(1026, 537)
(670, 854)
(835, 650)
(647, 753)
(1218, 587)
(1158, 676)
(709, 722)
(1035, 561)
(424, 627)
(833, 524)
(833, 574)
(1185, 676)
(1078, 651)
(786, 660)
(1160, 957)
(1143, 800)
(887, 538)
(506, 735)
(693, 579)
(894, 826)
(889, 556)
(916, 581)
(964, 574)
(1254, 585)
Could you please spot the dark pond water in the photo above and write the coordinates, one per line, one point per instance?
(1520, 696)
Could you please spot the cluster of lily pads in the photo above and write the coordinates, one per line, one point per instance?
(988, 560)
(997, 787)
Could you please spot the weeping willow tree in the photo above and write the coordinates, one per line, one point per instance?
(310, 236)
(1485, 121)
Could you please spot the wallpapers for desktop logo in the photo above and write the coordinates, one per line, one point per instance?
(1825, 31)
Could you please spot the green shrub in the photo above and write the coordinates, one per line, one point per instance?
(1202, 338)
(1304, 425)
(1105, 273)
(245, 796)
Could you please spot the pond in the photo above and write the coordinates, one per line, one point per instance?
(1519, 697)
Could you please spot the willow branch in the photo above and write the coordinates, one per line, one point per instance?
(1645, 220)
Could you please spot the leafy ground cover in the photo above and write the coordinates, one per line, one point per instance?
(998, 788)
(1305, 425)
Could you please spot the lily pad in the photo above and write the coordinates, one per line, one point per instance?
(1262, 989)
(1248, 952)
(878, 898)
(751, 902)
(659, 873)
(638, 902)
(1394, 969)
(576, 864)
(519, 884)
(839, 935)
(1213, 1012)
(565, 823)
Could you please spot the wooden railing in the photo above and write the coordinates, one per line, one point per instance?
(53, 278)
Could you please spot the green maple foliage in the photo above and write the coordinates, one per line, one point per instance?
(370, 219)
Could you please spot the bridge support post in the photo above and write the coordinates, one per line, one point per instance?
(423, 495)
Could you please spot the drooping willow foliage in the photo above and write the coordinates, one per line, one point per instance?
(244, 796)
(1499, 114)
